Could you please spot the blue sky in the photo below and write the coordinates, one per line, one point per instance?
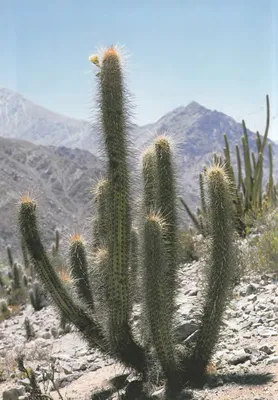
(222, 54)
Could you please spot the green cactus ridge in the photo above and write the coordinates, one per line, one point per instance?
(114, 111)
(79, 270)
(222, 263)
(100, 226)
(167, 205)
(149, 169)
(49, 277)
(155, 284)
(10, 257)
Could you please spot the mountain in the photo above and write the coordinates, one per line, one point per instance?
(58, 178)
(54, 163)
(197, 133)
(22, 119)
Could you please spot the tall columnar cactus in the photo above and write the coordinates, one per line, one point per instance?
(222, 267)
(157, 306)
(116, 257)
(166, 203)
(10, 256)
(114, 111)
(249, 191)
(79, 270)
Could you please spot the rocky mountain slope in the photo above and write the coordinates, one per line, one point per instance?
(54, 174)
(22, 119)
(59, 178)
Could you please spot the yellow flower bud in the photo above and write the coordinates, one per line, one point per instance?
(94, 59)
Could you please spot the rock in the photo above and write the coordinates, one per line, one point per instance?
(46, 335)
(54, 332)
(158, 394)
(13, 394)
(25, 382)
(252, 288)
(267, 349)
(239, 357)
(186, 329)
(67, 369)
(79, 366)
(267, 333)
(272, 360)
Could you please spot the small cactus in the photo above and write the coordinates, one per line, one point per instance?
(29, 330)
(4, 309)
(37, 296)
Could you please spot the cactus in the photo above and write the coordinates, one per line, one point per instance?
(73, 311)
(37, 296)
(4, 309)
(79, 270)
(105, 322)
(10, 257)
(167, 206)
(149, 169)
(221, 272)
(158, 308)
(114, 111)
(249, 194)
(100, 226)
(29, 330)
(192, 216)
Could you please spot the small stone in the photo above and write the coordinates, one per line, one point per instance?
(67, 369)
(46, 335)
(267, 349)
(239, 357)
(54, 332)
(252, 297)
(13, 394)
(251, 289)
(272, 360)
(186, 329)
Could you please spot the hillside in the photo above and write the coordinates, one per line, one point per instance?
(59, 178)
(22, 119)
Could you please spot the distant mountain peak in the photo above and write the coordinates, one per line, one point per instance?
(193, 106)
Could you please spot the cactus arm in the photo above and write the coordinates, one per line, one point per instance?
(73, 312)
(155, 289)
(149, 178)
(239, 168)
(79, 270)
(191, 215)
(167, 206)
(114, 112)
(222, 266)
